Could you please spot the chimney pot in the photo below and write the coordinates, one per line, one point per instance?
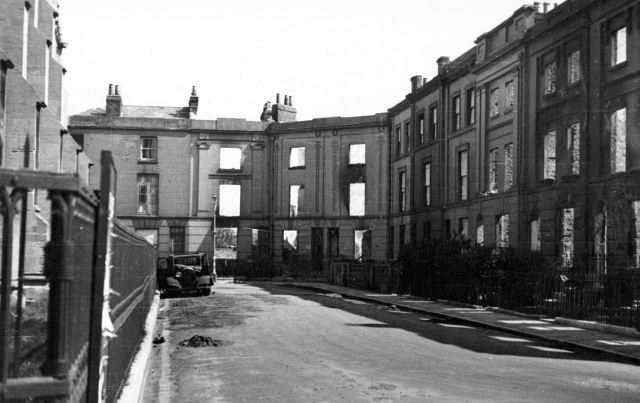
(442, 61)
(277, 98)
(110, 89)
(290, 100)
(536, 5)
(545, 7)
(286, 99)
(117, 90)
(416, 82)
(194, 91)
(424, 80)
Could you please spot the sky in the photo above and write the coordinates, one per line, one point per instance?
(334, 57)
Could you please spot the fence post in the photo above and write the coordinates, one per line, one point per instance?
(94, 394)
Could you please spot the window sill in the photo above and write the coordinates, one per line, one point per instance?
(147, 162)
(618, 66)
(297, 167)
(230, 170)
(360, 164)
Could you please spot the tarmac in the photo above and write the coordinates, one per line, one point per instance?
(617, 343)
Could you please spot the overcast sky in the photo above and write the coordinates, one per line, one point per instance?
(335, 57)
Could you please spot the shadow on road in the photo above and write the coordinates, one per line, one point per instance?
(440, 330)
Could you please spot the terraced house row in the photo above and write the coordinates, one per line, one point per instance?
(529, 139)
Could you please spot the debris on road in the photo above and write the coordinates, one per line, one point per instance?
(334, 295)
(201, 341)
(158, 340)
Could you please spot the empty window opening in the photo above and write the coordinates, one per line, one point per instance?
(356, 199)
(148, 148)
(508, 167)
(229, 200)
(480, 232)
(177, 239)
(296, 157)
(494, 100)
(402, 192)
(362, 244)
(149, 235)
(619, 140)
(549, 155)
(502, 231)
(231, 158)
(463, 227)
(619, 46)
(574, 71)
(534, 229)
(289, 245)
(635, 231)
(573, 148)
(509, 95)
(471, 106)
(550, 78)
(226, 243)
(456, 113)
(427, 184)
(357, 154)
(463, 166)
(148, 194)
(600, 241)
(296, 199)
(568, 238)
(493, 171)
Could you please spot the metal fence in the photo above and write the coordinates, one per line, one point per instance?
(61, 248)
(610, 298)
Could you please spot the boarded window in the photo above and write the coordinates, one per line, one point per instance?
(463, 227)
(456, 113)
(508, 167)
(494, 100)
(493, 171)
(296, 157)
(362, 244)
(421, 127)
(296, 199)
(550, 78)
(471, 106)
(230, 157)
(229, 200)
(176, 239)
(148, 194)
(502, 231)
(574, 71)
(148, 148)
(509, 95)
(534, 229)
(427, 184)
(356, 199)
(619, 140)
(573, 147)
(619, 46)
(463, 166)
(402, 192)
(568, 215)
(226, 243)
(357, 154)
(549, 156)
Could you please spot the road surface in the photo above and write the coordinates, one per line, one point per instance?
(280, 344)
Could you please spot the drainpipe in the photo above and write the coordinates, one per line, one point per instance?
(389, 193)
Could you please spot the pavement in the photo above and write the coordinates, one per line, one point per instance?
(621, 344)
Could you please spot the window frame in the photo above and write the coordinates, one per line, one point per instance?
(353, 211)
(433, 122)
(463, 177)
(614, 45)
(618, 137)
(509, 96)
(153, 150)
(471, 106)
(549, 161)
(456, 113)
(364, 154)
(574, 77)
(152, 202)
(426, 181)
(551, 75)
(494, 103)
(402, 190)
(421, 126)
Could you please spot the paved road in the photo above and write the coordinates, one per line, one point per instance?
(288, 345)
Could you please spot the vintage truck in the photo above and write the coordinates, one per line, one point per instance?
(188, 273)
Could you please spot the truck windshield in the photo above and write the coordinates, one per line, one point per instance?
(188, 260)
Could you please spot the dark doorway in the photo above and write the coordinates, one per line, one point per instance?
(334, 242)
(317, 247)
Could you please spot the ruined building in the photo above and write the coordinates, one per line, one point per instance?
(528, 139)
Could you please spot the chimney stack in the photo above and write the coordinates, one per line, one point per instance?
(536, 5)
(284, 112)
(416, 82)
(442, 61)
(114, 101)
(545, 7)
(193, 103)
(424, 80)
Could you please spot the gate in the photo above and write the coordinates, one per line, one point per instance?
(61, 248)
